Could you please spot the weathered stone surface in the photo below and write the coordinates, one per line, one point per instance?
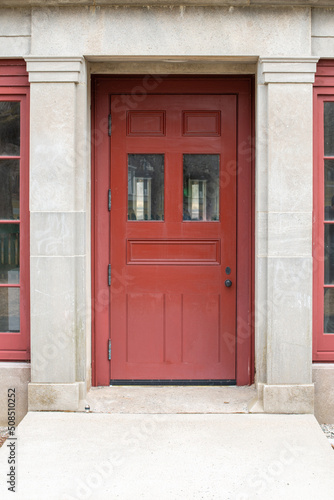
(177, 3)
(288, 398)
(323, 378)
(51, 397)
(322, 32)
(15, 22)
(174, 399)
(14, 375)
(15, 31)
(57, 317)
(284, 221)
(287, 70)
(166, 32)
(57, 233)
(289, 354)
(322, 22)
(220, 65)
(56, 184)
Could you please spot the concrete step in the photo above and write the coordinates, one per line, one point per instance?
(170, 399)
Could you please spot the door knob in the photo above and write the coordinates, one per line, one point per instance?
(228, 283)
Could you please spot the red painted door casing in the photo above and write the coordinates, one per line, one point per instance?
(172, 317)
(166, 314)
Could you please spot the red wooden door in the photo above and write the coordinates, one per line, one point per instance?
(173, 238)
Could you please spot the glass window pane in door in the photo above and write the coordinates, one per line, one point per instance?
(9, 128)
(200, 187)
(329, 128)
(9, 309)
(329, 189)
(9, 189)
(145, 187)
(9, 253)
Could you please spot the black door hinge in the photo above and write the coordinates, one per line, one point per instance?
(109, 199)
(109, 349)
(109, 274)
(109, 125)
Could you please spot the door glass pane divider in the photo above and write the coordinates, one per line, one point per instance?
(13, 221)
(6, 157)
(10, 285)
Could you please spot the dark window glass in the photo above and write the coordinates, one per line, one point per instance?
(329, 254)
(9, 189)
(200, 187)
(9, 309)
(146, 187)
(9, 128)
(9, 253)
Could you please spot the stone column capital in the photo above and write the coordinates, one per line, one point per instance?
(287, 69)
(54, 69)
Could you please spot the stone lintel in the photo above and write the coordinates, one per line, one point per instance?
(288, 398)
(287, 69)
(54, 69)
(145, 3)
(53, 397)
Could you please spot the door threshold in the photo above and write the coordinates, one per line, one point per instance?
(164, 399)
(172, 382)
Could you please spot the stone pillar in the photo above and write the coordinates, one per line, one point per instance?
(284, 234)
(58, 227)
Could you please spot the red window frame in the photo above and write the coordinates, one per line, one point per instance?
(14, 86)
(323, 344)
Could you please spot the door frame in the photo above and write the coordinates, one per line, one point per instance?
(132, 88)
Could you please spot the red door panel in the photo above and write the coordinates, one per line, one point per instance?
(145, 328)
(172, 236)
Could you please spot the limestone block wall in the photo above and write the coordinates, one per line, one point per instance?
(15, 32)
(323, 32)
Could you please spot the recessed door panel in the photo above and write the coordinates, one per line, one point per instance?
(201, 123)
(144, 330)
(150, 123)
(201, 329)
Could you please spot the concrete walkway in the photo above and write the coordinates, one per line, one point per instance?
(66, 456)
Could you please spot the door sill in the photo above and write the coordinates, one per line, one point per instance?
(172, 382)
